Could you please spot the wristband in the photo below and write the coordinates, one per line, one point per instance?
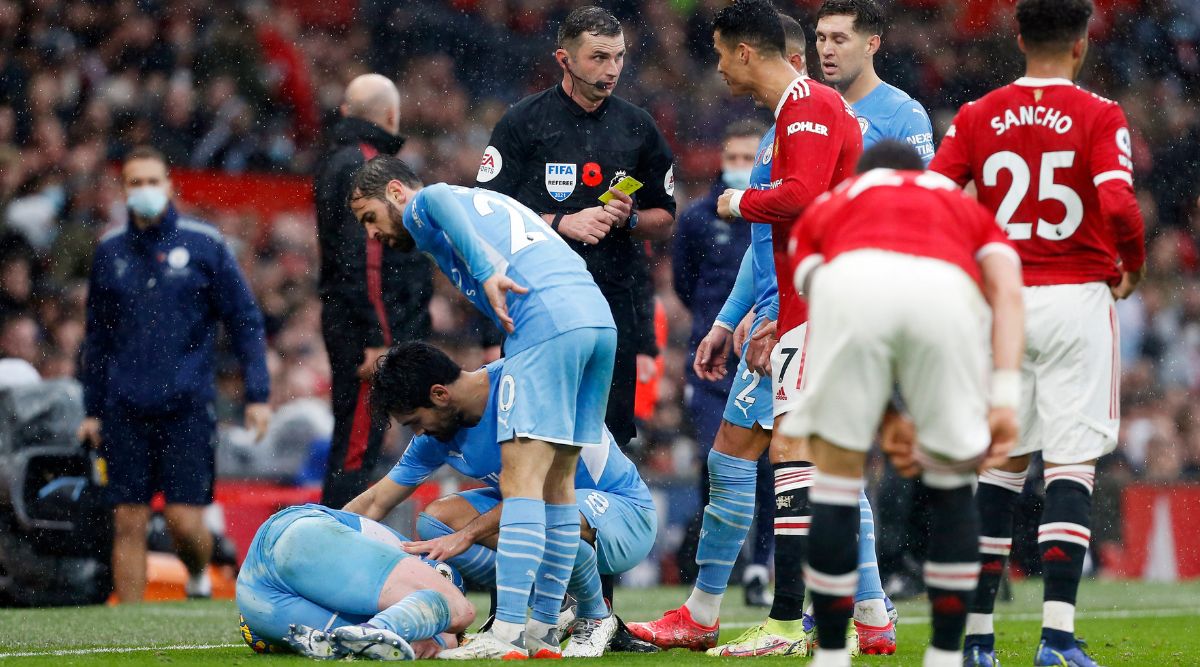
(1006, 388)
(557, 219)
(724, 326)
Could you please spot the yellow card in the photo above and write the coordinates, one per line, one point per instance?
(628, 185)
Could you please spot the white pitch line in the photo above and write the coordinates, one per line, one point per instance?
(1174, 612)
(125, 649)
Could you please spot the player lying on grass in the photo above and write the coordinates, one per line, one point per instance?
(453, 414)
(330, 584)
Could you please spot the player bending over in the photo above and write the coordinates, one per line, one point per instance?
(899, 268)
(453, 414)
(329, 584)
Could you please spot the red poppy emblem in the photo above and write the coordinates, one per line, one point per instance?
(592, 176)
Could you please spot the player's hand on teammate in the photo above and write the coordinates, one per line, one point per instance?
(258, 418)
(590, 225)
(712, 354)
(1129, 282)
(620, 206)
(724, 204)
(441, 548)
(1002, 422)
(497, 288)
(758, 356)
(898, 440)
(89, 432)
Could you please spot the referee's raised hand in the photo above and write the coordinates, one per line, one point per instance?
(589, 225)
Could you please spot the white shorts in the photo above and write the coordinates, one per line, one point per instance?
(1070, 375)
(787, 369)
(878, 317)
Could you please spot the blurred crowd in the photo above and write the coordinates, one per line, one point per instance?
(251, 85)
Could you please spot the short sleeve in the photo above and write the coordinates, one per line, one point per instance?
(914, 128)
(1111, 148)
(420, 460)
(953, 157)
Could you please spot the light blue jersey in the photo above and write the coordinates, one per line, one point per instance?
(889, 113)
(472, 234)
(474, 452)
(749, 401)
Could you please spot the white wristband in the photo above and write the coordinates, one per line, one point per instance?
(719, 323)
(1006, 389)
(735, 203)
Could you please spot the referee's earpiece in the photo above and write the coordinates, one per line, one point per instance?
(598, 85)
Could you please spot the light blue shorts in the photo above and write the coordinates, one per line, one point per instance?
(557, 391)
(750, 401)
(304, 566)
(625, 530)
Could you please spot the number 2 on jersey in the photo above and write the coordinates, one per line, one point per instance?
(517, 220)
(1047, 190)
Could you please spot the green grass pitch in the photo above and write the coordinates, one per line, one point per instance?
(1125, 623)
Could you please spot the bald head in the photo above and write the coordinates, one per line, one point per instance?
(374, 98)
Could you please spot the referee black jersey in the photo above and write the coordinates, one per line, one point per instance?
(551, 155)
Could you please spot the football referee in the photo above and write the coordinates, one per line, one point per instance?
(558, 150)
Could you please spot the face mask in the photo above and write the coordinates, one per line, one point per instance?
(147, 201)
(738, 179)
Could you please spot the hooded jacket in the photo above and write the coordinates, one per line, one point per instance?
(374, 295)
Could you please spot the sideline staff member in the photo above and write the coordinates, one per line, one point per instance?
(159, 287)
(558, 150)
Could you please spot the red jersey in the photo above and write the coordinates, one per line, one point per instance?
(1055, 163)
(817, 144)
(910, 212)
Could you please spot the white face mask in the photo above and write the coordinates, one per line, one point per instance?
(738, 179)
(148, 201)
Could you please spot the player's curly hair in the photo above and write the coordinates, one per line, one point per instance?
(1052, 23)
(754, 22)
(868, 16)
(403, 377)
(371, 179)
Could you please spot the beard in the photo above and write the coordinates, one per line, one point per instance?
(453, 422)
(398, 238)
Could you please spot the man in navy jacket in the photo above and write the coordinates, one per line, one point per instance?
(158, 289)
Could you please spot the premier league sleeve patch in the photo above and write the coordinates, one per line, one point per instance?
(560, 179)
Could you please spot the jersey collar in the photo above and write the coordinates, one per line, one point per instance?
(577, 110)
(800, 80)
(1034, 82)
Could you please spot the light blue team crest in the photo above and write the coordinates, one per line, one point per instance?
(560, 179)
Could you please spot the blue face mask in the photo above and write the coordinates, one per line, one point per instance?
(738, 179)
(147, 201)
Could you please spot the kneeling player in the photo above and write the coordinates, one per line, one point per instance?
(454, 416)
(328, 584)
(908, 263)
